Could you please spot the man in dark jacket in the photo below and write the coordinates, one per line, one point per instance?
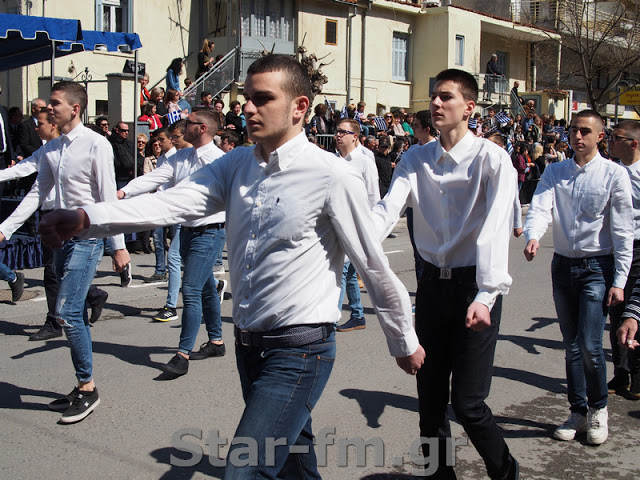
(124, 154)
(384, 164)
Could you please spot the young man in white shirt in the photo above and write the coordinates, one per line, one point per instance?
(79, 166)
(625, 145)
(293, 212)
(201, 242)
(588, 198)
(346, 136)
(461, 189)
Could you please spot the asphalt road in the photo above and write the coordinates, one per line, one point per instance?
(132, 434)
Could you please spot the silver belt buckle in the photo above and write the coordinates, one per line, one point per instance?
(445, 274)
(245, 334)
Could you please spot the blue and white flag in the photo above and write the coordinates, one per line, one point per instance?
(380, 124)
(329, 107)
(509, 146)
(473, 123)
(343, 112)
(559, 130)
(503, 118)
(173, 117)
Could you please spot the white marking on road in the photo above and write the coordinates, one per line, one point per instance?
(38, 299)
(393, 251)
(144, 285)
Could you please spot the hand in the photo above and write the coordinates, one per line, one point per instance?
(120, 194)
(413, 362)
(627, 333)
(615, 296)
(60, 225)
(120, 259)
(531, 249)
(478, 317)
(517, 232)
(2, 237)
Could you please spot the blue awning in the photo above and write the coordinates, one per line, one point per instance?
(25, 40)
(110, 41)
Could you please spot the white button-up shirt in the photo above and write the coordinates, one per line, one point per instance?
(24, 168)
(78, 168)
(591, 211)
(366, 168)
(465, 199)
(289, 223)
(634, 175)
(175, 169)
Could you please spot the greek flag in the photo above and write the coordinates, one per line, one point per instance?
(503, 118)
(380, 123)
(473, 123)
(343, 112)
(173, 117)
(559, 129)
(509, 147)
(326, 102)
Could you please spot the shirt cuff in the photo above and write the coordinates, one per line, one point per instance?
(486, 298)
(404, 347)
(619, 281)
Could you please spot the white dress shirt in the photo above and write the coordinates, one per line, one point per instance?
(368, 153)
(78, 167)
(634, 175)
(24, 168)
(366, 168)
(465, 202)
(591, 211)
(175, 169)
(289, 223)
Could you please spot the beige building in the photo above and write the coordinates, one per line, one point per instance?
(383, 52)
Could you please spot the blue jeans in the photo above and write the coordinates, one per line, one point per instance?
(174, 267)
(6, 273)
(76, 264)
(199, 294)
(158, 248)
(280, 387)
(580, 286)
(350, 285)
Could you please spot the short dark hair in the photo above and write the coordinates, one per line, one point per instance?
(233, 104)
(424, 118)
(204, 94)
(101, 119)
(73, 92)
(297, 83)
(230, 137)
(209, 117)
(632, 127)
(180, 126)
(160, 130)
(465, 81)
(590, 114)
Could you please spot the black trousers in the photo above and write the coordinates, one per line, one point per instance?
(464, 357)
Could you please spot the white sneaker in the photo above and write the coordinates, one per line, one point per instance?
(576, 423)
(597, 425)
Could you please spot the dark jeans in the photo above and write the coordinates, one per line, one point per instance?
(456, 353)
(280, 387)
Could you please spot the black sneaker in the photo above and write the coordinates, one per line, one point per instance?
(96, 308)
(166, 314)
(178, 365)
(156, 277)
(125, 276)
(82, 405)
(17, 287)
(63, 403)
(45, 333)
(352, 324)
(221, 287)
(207, 350)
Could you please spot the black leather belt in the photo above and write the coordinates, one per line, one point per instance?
(286, 337)
(431, 272)
(579, 261)
(204, 228)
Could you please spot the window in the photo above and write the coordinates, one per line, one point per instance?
(272, 19)
(113, 16)
(459, 50)
(400, 57)
(331, 32)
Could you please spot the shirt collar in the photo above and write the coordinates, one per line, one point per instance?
(597, 159)
(207, 148)
(282, 157)
(75, 133)
(459, 150)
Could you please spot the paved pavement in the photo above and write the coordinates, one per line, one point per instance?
(131, 435)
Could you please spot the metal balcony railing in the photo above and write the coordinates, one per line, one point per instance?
(493, 88)
(221, 75)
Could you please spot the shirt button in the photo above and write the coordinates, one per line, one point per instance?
(258, 203)
(253, 235)
(248, 267)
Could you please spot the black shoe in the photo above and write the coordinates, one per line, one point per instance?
(178, 365)
(45, 333)
(125, 276)
(221, 287)
(352, 324)
(166, 314)
(63, 403)
(392, 235)
(17, 287)
(156, 277)
(96, 308)
(207, 350)
(618, 384)
(82, 405)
